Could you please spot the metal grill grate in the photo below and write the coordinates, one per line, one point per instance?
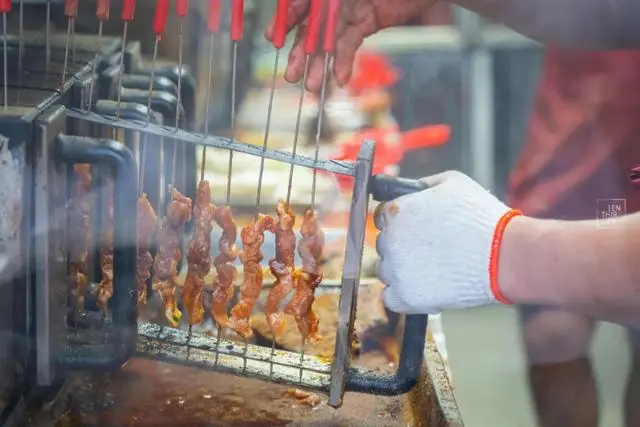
(178, 346)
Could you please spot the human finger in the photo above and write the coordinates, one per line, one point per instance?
(297, 57)
(347, 45)
(298, 11)
(316, 73)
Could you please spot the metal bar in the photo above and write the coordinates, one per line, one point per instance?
(332, 166)
(479, 78)
(351, 274)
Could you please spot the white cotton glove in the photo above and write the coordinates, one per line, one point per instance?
(435, 246)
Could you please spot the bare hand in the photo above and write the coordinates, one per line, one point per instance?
(358, 19)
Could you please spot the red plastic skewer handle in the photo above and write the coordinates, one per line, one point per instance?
(71, 8)
(237, 19)
(332, 22)
(313, 30)
(182, 8)
(5, 6)
(280, 25)
(128, 10)
(103, 8)
(215, 9)
(160, 17)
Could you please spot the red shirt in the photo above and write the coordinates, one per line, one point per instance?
(584, 136)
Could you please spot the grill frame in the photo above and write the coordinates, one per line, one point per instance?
(336, 378)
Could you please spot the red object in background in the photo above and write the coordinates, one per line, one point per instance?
(583, 136)
(371, 71)
(389, 150)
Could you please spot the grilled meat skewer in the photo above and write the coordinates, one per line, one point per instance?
(165, 264)
(308, 277)
(147, 223)
(105, 288)
(199, 256)
(282, 266)
(226, 271)
(252, 237)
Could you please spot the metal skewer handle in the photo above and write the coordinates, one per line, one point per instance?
(117, 350)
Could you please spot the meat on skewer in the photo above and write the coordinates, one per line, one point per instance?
(308, 277)
(80, 234)
(105, 288)
(199, 256)
(226, 271)
(147, 222)
(165, 264)
(252, 237)
(282, 266)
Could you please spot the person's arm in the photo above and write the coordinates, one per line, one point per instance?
(456, 246)
(582, 265)
(586, 24)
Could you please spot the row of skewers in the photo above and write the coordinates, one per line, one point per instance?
(304, 280)
(163, 268)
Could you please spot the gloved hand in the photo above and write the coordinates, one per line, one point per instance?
(439, 248)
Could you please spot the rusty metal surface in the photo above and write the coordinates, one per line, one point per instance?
(148, 393)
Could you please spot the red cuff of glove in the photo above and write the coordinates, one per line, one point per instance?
(494, 258)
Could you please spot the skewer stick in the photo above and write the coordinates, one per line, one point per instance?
(266, 132)
(237, 24)
(102, 13)
(73, 41)
(279, 38)
(48, 36)
(328, 47)
(71, 12)
(20, 37)
(159, 26)
(237, 21)
(206, 105)
(310, 46)
(5, 8)
(215, 7)
(128, 12)
(323, 94)
(182, 10)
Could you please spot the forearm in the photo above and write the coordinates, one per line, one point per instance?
(575, 265)
(587, 24)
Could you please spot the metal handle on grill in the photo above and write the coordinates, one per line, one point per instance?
(409, 365)
(111, 354)
(141, 82)
(385, 188)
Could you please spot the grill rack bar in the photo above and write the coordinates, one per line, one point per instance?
(177, 346)
(332, 166)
